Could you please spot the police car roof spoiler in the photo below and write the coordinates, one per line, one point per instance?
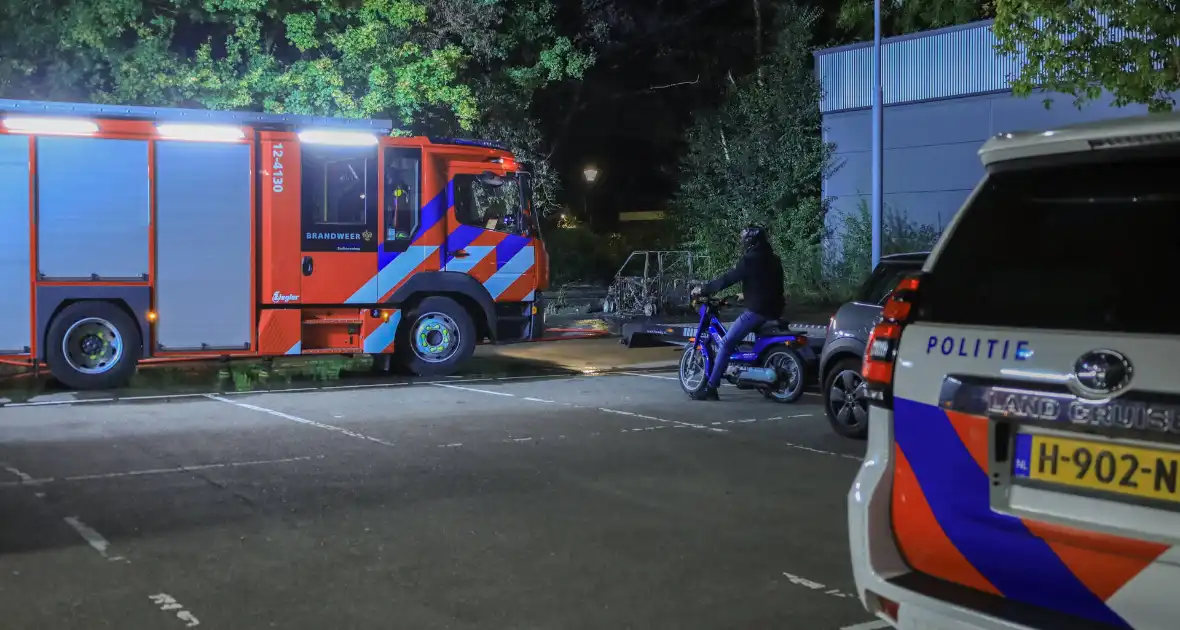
(1152, 129)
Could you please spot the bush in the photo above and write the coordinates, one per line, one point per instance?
(577, 255)
(849, 254)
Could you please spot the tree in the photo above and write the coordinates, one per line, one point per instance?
(901, 17)
(518, 53)
(656, 63)
(452, 67)
(1134, 53)
(760, 157)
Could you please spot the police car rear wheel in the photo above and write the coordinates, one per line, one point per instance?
(844, 401)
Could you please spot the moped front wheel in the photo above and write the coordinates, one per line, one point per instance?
(693, 374)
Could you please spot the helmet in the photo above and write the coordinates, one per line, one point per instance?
(753, 236)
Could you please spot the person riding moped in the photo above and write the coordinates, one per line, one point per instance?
(761, 273)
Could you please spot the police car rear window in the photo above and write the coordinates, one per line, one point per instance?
(1079, 247)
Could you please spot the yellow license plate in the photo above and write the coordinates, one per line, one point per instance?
(1127, 470)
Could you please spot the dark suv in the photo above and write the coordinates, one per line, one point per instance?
(844, 345)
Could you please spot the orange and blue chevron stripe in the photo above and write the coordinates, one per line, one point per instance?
(945, 527)
(503, 263)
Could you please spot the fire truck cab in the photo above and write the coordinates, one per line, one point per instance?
(132, 234)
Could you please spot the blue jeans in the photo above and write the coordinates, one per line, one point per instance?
(745, 324)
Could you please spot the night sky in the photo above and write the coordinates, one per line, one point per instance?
(667, 59)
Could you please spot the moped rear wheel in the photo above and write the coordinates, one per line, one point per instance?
(791, 371)
(693, 377)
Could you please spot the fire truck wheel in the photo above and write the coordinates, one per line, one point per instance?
(93, 345)
(435, 337)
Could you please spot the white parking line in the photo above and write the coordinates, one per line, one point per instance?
(879, 624)
(310, 423)
(823, 452)
(641, 429)
(168, 603)
(24, 477)
(49, 403)
(541, 376)
(92, 537)
(184, 469)
(328, 388)
(665, 377)
(472, 389)
(816, 586)
(295, 390)
(602, 409)
(30, 481)
(677, 378)
(659, 376)
(655, 419)
(744, 421)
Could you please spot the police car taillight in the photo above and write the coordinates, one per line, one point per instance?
(881, 351)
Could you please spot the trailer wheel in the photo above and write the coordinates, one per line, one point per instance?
(435, 337)
(93, 345)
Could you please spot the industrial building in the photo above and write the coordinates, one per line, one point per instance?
(945, 92)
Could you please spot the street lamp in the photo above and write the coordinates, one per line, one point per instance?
(590, 173)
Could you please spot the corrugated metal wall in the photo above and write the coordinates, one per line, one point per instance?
(943, 63)
(956, 61)
(930, 148)
(950, 91)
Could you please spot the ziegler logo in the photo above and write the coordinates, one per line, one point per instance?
(282, 298)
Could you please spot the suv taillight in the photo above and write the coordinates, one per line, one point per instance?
(881, 351)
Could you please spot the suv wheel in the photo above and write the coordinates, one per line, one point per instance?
(845, 404)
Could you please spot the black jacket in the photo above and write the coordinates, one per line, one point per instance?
(761, 273)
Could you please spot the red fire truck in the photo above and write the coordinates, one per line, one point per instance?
(136, 233)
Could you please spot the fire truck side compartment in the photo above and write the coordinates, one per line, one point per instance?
(203, 238)
(93, 212)
(14, 244)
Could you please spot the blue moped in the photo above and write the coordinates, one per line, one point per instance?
(773, 360)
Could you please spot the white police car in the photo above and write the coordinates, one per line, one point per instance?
(1023, 465)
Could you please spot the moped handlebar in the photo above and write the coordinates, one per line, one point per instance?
(715, 302)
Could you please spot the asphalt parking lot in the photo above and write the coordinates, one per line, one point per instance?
(565, 501)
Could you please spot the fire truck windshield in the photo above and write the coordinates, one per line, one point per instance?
(532, 223)
(493, 202)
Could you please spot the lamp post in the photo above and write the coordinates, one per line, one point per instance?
(878, 140)
(590, 174)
